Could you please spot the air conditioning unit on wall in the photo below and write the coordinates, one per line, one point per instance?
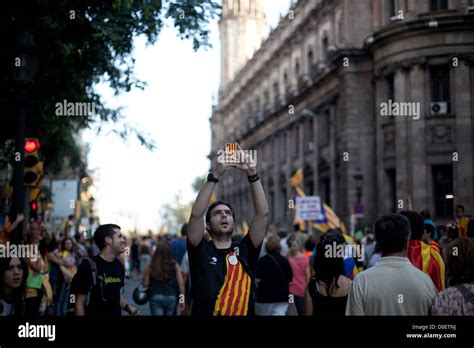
(439, 108)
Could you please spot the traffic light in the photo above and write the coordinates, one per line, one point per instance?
(33, 165)
(33, 210)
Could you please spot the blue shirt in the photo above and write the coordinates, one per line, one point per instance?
(178, 249)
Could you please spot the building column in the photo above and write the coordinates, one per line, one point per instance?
(332, 151)
(402, 139)
(463, 169)
(381, 92)
(315, 154)
(418, 140)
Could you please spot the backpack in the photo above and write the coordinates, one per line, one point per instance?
(95, 277)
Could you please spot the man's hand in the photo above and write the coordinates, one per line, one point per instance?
(20, 217)
(131, 310)
(221, 167)
(246, 164)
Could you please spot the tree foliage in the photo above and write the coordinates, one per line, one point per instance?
(84, 42)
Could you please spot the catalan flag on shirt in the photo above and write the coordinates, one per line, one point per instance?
(427, 259)
(234, 295)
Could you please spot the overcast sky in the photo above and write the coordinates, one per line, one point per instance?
(133, 183)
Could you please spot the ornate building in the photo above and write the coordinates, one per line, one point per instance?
(311, 96)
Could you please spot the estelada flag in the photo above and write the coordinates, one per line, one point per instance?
(297, 178)
(427, 259)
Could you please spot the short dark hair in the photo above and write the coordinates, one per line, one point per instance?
(184, 230)
(102, 232)
(416, 224)
(470, 228)
(273, 246)
(430, 229)
(392, 232)
(215, 204)
(282, 234)
(460, 206)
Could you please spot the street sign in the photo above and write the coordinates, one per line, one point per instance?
(308, 208)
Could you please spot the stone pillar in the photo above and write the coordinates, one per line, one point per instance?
(418, 140)
(402, 149)
(381, 92)
(463, 170)
(315, 155)
(333, 154)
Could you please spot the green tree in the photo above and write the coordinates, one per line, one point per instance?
(176, 213)
(198, 183)
(84, 42)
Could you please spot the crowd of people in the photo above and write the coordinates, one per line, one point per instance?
(407, 266)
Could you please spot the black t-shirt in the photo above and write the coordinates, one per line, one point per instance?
(222, 279)
(275, 274)
(326, 306)
(105, 295)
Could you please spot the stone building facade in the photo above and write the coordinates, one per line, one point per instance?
(311, 95)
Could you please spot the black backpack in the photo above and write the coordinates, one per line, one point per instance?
(71, 302)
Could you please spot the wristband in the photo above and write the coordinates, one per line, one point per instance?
(212, 178)
(253, 178)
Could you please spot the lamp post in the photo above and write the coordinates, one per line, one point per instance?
(25, 65)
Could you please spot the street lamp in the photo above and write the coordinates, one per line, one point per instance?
(24, 70)
(358, 177)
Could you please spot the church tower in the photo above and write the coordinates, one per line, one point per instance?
(242, 29)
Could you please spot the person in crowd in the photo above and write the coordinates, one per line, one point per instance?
(461, 221)
(144, 252)
(178, 245)
(451, 234)
(134, 252)
(13, 275)
(301, 269)
(216, 265)
(283, 235)
(375, 256)
(428, 236)
(470, 229)
(393, 286)
(38, 270)
(422, 255)
(79, 246)
(68, 271)
(309, 245)
(164, 281)
(458, 297)
(9, 226)
(327, 291)
(369, 248)
(426, 215)
(272, 278)
(98, 282)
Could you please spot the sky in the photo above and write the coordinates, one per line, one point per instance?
(133, 183)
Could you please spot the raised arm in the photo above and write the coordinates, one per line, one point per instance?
(196, 223)
(259, 223)
(19, 219)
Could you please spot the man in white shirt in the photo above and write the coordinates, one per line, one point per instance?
(393, 286)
